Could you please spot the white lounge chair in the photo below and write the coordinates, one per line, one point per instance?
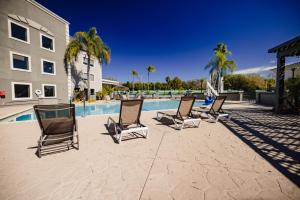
(183, 115)
(215, 111)
(129, 119)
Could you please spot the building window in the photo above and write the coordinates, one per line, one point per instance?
(21, 91)
(18, 31)
(47, 43)
(20, 62)
(85, 61)
(48, 67)
(84, 76)
(91, 77)
(49, 90)
(92, 91)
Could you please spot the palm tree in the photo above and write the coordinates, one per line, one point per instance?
(92, 45)
(201, 83)
(134, 73)
(168, 79)
(219, 65)
(150, 69)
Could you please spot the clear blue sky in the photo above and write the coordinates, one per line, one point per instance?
(178, 36)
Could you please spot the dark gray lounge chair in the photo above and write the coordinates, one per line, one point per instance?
(183, 114)
(129, 119)
(58, 125)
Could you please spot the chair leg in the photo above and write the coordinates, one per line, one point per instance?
(157, 116)
(146, 135)
(77, 136)
(39, 153)
(182, 125)
(176, 124)
(196, 125)
(199, 123)
(120, 138)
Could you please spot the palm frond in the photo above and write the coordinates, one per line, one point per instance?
(230, 64)
(151, 68)
(71, 53)
(134, 73)
(92, 32)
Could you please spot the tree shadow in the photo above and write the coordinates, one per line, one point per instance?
(77, 77)
(274, 137)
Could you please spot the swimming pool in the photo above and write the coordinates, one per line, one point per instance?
(105, 108)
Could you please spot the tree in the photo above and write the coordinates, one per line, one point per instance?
(168, 79)
(201, 83)
(92, 45)
(177, 83)
(158, 85)
(248, 83)
(134, 73)
(219, 65)
(150, 69)
(293, 85)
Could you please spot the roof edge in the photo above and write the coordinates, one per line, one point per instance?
(274, 49)
(43, 8)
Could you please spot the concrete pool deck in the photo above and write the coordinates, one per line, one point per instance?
(208, 162)
(7, 111)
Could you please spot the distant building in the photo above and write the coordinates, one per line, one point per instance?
(290, 71)
(79, 74)
(32, 45)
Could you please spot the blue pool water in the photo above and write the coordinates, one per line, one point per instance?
(109, 108)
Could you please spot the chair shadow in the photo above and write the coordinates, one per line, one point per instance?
(274, 137)
(129, 136)
(165, 121)
(53, 149)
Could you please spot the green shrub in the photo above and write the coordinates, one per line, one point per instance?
(102, 93)
(293, 86)
(78, 95)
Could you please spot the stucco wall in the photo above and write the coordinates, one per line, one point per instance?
(266, 98)
(57, 27)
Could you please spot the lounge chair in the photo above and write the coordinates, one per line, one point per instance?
(58, 125)
(129, 119)
(215, 111)
(138, 96)
(183, 115)
(124, 97)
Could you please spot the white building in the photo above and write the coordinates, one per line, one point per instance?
(290, 71)
(79, 74)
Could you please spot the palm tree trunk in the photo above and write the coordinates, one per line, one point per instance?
(132, 83)
(154, 86)
(88, 77)
(148, 81)
(201, 83)
(219, 82)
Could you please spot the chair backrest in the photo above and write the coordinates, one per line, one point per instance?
(130, 112)
(217, 104)
(56, 119)
(185, 106)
